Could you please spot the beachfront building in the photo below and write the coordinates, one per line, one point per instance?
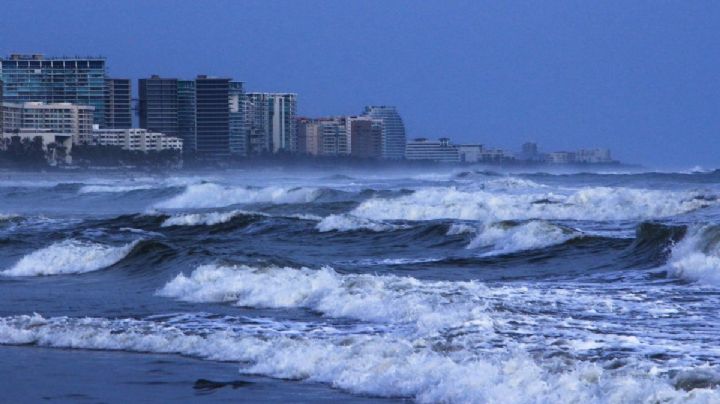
(393, 130)
(63, 119)
(440, 150)
(136, 139)
(58, 80)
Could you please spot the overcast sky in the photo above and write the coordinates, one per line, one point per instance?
(642, 78)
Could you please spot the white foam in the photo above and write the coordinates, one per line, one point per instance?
(205, 219)
(461, 228)
(364, 297)
(89, 189)
(376, 365)
(596, 203)
(213, 218)
(68, 257)
(697, 256)
(506, 238)
(211, 195)
(345, 222)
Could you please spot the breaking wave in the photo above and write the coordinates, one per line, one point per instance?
(211, 195)
(510, 237)
(367, 364)
(90, 189)
(697, 256)
(345, 222)
(597, 203)
(69, 257)
(363, 296)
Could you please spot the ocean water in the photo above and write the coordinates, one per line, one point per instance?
(453, 285)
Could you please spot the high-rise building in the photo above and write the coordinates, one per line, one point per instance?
(238, 129)
(271, 122)
(212, 116)
(75, 80)
(529, 151)
(393, 142)
(118, 104)
(365, 137)
(158, 104)
(335, 136)
(186, 115)
(2, 126)
(309, 136)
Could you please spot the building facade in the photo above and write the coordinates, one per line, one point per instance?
(271, 122)
(118, 104)
(136, 140)
(67, 119)
(440, 150)
(309, 136)
(158, 104)
(186, 115)
(365, 137)
(335, 137)
(74, 80)
(393, 142)
(212, 116)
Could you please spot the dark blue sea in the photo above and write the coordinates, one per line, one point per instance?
(450, 285)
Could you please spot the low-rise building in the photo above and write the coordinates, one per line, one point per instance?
(440, 150)
(136, 140)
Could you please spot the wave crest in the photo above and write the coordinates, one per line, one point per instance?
(210, 195)
(510, 237)
(697, 256)
(69, 257)
(598, 203)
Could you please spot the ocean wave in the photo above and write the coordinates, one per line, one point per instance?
(345, 222)
(596, 203)
(364, 297)
(460, 228)
(69, 257)
(510, 237)
(376, 365)
(203, 219)
(697, 256)
(215, 218)
(90, 189)
(210, 195)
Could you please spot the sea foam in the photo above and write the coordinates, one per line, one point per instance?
(697, 256)
(69, 257)
(377, 365)
(595, 203)
(505, 238)
(345, 222)
(210, 195)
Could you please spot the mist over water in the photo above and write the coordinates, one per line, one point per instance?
(452, 285)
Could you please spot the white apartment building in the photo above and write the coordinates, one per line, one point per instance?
(60, 118)
(136, 140)
(432, 150)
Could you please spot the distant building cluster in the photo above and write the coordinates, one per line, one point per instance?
(443, 150)
(73, 101)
